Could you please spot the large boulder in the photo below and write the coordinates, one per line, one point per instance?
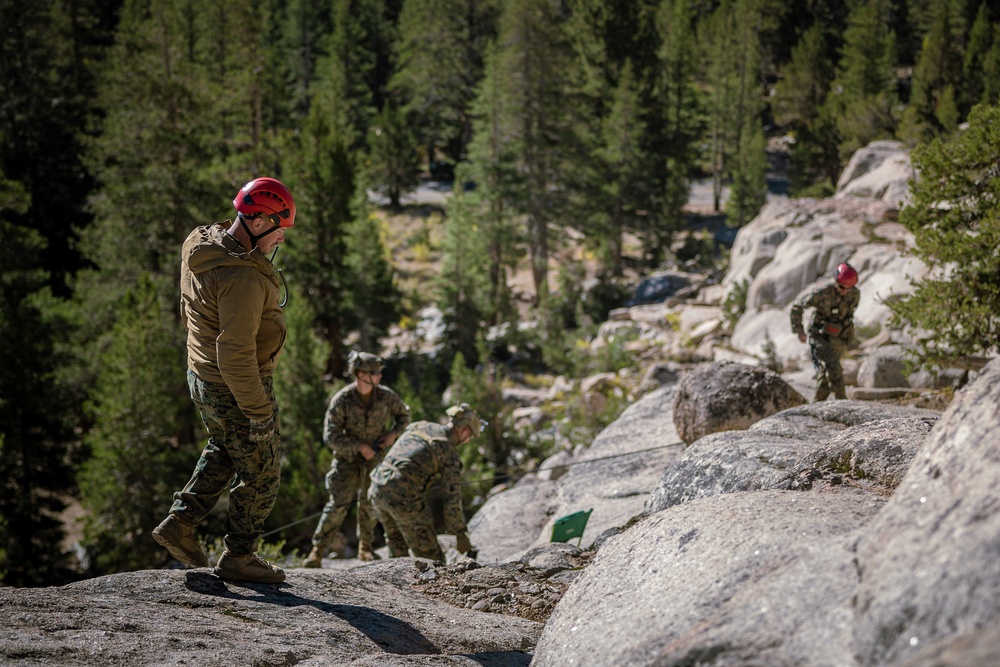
(723, 396)
(928, 566)
(877, 567)
(846, 444)
(613, 478)
(744, 579)
(874, 456)
(883, 367)
(511, 520)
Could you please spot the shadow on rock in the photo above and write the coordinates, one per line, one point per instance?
(391, 634)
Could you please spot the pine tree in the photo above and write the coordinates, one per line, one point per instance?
(324, 181)
(734, 84)
(497, 188)
(343, 75)
(462, 282)
(863, 96)
(305, 33)
(440, 54)
(302, 391)
(798, 107)
(625, 165)
(139, 452)
(531, 59)
(616, 179)
(955, 220)
(393, 164)
(748, 192)
(932, 107)
(35, 457)
(153, 155)
(480, 387)
(682, 109)
(47, 60)
(373, 287)
(981, 64)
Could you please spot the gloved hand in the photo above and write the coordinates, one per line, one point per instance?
(462, 543)
(261, 430)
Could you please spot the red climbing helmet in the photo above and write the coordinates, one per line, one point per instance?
(846, 275)
(268, 196)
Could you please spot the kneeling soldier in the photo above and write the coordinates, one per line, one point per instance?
(399, 484)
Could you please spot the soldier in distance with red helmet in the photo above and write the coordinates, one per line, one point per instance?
(831, 329)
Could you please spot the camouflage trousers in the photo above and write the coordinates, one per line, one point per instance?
(826, 351)
(408, 524)
(347, 483)
(250, 470)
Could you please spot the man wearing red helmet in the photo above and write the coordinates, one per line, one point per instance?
(832, 328)
(235, 332)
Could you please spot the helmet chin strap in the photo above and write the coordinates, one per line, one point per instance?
(254, 238)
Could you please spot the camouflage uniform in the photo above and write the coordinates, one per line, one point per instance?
(400, 482)
(831, 329)
(351, 422)
(236, 330)
(229, 452)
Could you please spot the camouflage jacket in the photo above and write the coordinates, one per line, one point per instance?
(834, 312)
(412, 463)
(349, 423)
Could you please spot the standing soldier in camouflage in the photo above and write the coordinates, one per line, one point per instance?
(832, 328)
(357, 429)
(235, 332)
(401, 481)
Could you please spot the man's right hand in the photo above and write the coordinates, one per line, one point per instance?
(367, 451)
(802, 337)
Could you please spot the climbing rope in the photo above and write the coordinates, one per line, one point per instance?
(503, 478)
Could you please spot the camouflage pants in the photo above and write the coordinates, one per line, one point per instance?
(826, 351)
(347, 483)
(250, 470)
(407, 523)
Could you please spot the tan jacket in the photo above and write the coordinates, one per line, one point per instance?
(229, 302)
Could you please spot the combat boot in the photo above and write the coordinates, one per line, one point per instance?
(177, 537)
(248, 568)
(365, 552)
(314, 559)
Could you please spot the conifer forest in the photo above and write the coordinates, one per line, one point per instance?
(124, 124)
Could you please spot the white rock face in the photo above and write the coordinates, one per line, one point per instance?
(794, 245)
(880, 170)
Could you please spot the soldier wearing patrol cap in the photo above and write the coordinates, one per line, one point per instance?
(400, 482)
(831, 329)
(357, 428)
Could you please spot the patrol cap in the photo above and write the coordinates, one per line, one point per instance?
(363, 362)
(463, 415)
